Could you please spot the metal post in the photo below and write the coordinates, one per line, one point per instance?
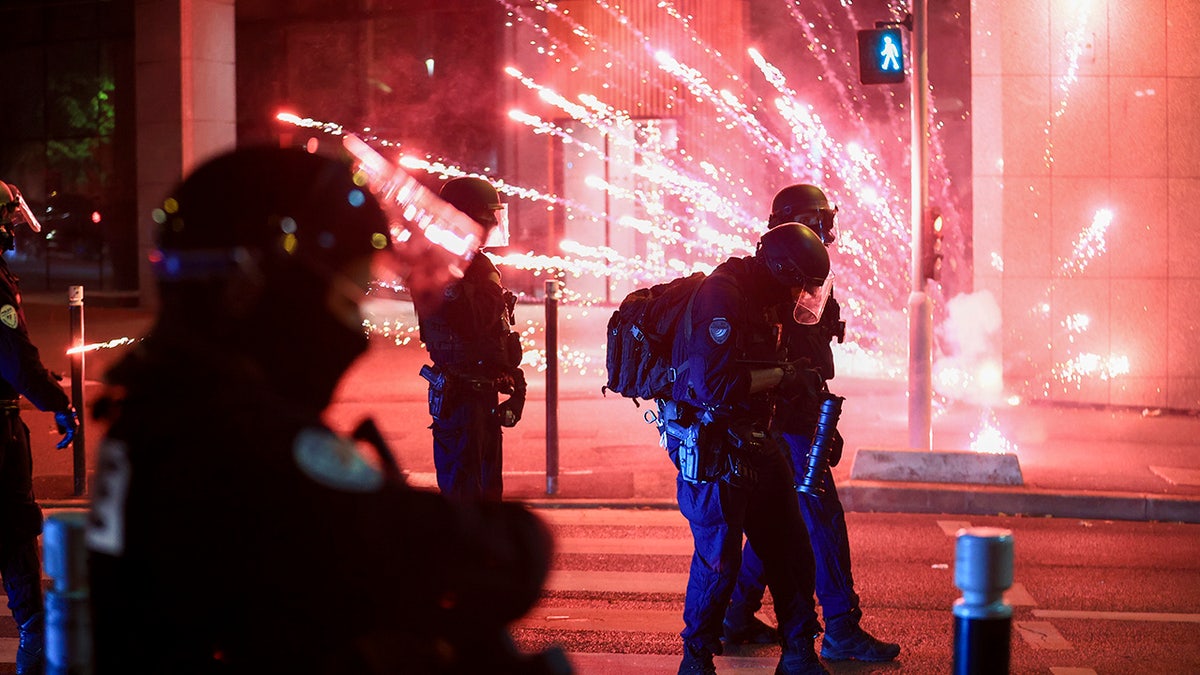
(68, 619)
(983, 570)
(78, 448)
(920, 315)
(553, 286)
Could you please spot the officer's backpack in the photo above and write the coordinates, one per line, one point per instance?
(641, 334)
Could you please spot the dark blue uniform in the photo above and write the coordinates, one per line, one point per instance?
(233, 532)
(474, 350)
(21, 374)
(733, 326)
(794, 422)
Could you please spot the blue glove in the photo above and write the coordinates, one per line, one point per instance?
(67, 424)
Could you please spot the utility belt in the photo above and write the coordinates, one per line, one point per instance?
(712, 448)
(13, 404)
(448, 385)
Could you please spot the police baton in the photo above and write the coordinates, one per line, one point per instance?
(983, 570)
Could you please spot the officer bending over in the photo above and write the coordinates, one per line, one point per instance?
(733, 477)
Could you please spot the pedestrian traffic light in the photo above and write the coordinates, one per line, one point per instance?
(880, 56)
(931, 245)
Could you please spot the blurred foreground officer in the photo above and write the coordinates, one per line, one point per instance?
(795, 419)
(232, 531)
(733, 477)
(22, 374)
(476, 357)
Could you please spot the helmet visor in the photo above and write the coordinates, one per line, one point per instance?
(810, 302)
(17, 212)
(821, 222)
(499, 234)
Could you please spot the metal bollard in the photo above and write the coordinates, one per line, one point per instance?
(553, 286)
(78, 445)
(983, 570)
(68, 616)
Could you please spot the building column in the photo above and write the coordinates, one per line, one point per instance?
(186, 103)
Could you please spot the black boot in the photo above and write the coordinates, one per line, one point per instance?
(22, 573)
(800, 660)
(31, 650)
(696, 662)
(845, 640)
(752, 632)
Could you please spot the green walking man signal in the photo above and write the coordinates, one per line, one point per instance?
(880, 56)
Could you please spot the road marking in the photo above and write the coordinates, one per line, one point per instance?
(428, 479)
(1177, 476)
(625, 582)
(1017, 596)
(1041, 635)
(951, 527)
(618, 517)
(600, 663)
(597, 618)
(1072, 671)
(681, 546)
(1117, 616)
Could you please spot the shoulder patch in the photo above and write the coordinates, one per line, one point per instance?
(453, 291)
(8, 316)
(333, 461)
(720, 330)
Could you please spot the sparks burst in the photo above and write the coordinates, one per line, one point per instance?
(680, 193)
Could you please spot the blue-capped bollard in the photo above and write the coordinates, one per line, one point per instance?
(68, 619)
(983, 570)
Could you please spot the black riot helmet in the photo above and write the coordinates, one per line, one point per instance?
(8, 217)
(475, 197)
(807, 205)
(283, 208)
(266, 252)
(798, 261)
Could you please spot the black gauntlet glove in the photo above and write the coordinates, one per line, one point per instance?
(509, 411)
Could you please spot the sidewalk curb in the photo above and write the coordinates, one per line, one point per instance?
(868, 496)
(878, 496)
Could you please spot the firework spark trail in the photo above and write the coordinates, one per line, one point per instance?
(989, 438)
(517, 12)
(1089, 365)
(660, 170)
(1090, 245)
(110, 344)
(727, 106)
(627, 24)
(838, 75)
(1074, 45)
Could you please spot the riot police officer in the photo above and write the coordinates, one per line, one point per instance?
(231, 529)
(476, 357)
(794, 421)
(22, 374)
(733, 477)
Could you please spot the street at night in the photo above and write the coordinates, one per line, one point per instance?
(958, 235)
(1088, 596)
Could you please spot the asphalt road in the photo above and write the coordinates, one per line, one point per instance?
(1088, 597)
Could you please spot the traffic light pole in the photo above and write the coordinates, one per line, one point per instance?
(920, 309)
